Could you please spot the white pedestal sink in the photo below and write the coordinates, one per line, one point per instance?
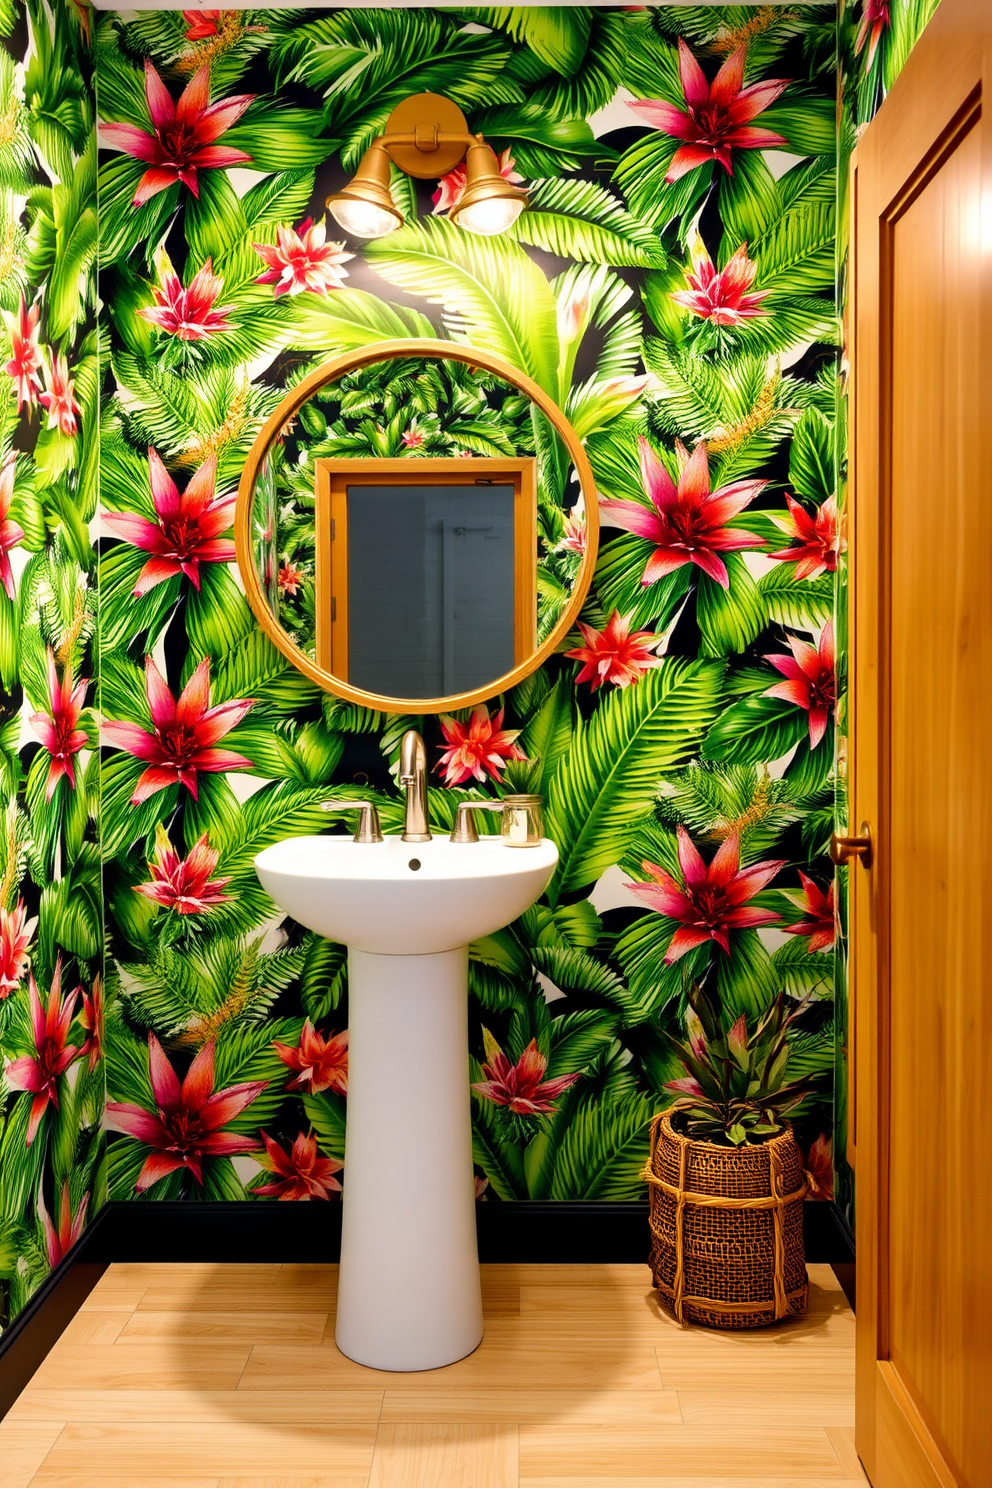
(408, 1295)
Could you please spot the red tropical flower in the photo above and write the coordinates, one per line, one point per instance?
(15, 937)
(686, 522)
(40, 1072)
(301, 1172)
(811, 683)
(185, 134)
(26, 360)
(191, 314)
(613, 654)
(10, 533)
(320, 1064)
(184, 884)
(303, 261)
(721, 297)
(476, 749)
(521, 1086)
(91, 1017)
(717, 116)
(289, 579)
(58, 729)
(188, 529)
(58, 1242)
(185, 1126)
(412, 438)
(816, 539)
(712, 899)
(820, 1169)
(818, 922)
(874, 20)
(59, 397)
(451, 188)
(201, 23)
(186, 732)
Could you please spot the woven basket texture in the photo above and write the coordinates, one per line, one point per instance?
(729, 1254)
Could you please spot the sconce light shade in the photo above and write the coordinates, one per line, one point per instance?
(365, 207)
(489, 204)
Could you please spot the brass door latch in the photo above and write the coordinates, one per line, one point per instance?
(844, 849)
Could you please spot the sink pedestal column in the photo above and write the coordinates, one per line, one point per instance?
(409, 1295)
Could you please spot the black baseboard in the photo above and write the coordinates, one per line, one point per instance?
(566, 1233)
(25, 1344)
(527, 1232)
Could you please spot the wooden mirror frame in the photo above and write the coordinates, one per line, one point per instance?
(332, 371)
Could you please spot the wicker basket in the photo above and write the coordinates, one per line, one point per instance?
(727, 1228)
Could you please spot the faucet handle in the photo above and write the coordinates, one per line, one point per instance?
(369, 828)
(465, 829)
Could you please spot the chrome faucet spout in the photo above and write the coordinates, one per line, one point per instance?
(413, 775)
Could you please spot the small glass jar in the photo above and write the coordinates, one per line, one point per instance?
(522, 824)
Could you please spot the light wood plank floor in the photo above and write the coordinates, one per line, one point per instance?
(228, 1377)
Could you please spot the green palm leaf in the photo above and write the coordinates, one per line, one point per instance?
(603, 1151)
(608, 779)
(351, 318)
(493, 295)
(583, 221)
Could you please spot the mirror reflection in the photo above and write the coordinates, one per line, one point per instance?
(418, 528)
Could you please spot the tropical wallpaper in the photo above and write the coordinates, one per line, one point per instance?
(672, 285)
(51, 925)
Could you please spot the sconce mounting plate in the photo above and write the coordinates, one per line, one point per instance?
(427, 115)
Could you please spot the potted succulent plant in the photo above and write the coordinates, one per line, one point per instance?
(726, 1173)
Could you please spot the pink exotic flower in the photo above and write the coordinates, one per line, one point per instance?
(59, 397)
(818, 924)
(820, 1169)
(574, 535)
(185, 134)
(412, 438)
(613, 654)
(320, 1064)
(184, 884)
(476, 749)
(186, 733)
(190, 314)
(712, 899)
(58, 1242)
(185, 1126)
(289, 579)
(15, 937)
(10, 533)
(40, 1072)
(201, 23)
(521, 1087)
(303, 261)
(816, 539)
(721, 297)
(301, 1173)
(810, 680)
(59, 729)
(686, 522)
(875, 19)
(91, 1017)
(717, 116)
(451, 188)
(26, 360)
(188, 530)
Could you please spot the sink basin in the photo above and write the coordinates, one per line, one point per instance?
(398, 898)
(409, 1296)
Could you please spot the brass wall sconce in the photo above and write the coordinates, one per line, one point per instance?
(426, 136)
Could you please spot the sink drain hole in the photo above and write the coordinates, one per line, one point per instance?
(414, 863)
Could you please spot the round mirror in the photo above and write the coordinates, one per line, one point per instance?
(417, 526)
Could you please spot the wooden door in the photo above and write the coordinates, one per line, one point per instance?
(922, 763)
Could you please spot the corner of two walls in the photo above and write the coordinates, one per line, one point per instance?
(52, 1089)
